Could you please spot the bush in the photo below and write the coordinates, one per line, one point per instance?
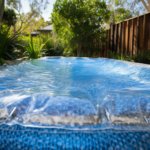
(141, 57)
(34, 48)
(43, 45)
(53, 46)
(77, 23)
(11, 47)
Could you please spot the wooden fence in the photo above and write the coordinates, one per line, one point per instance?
(129, 36)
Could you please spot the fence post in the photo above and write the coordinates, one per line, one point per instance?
(145, 31)
(111, 38)
(141, 18)
(144, 34)
(130, 36)
(119, 38)
(138, 24)
(115, 37)
(135, 36)
(122, 39)
(148, 30)
(127, 36)
(107, 45)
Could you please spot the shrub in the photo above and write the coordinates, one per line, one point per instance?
(141, 57)
(53, 46)
(33, 48)
(79, 22)
(11, 47)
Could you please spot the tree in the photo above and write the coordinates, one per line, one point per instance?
(35, 5)
(78, 22)
(133, 3)
(9, 17)
(135, 6)
(119, 12)
(32, 25)
(2, 4)
(146, 5)
(122, 14)
(26, 23)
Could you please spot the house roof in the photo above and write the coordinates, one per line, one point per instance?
(34, 33)
(47, 28)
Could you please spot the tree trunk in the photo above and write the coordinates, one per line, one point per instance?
(79, 50)
(14, 29)
(147, 7)
(2, 3)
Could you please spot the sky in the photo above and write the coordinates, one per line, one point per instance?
(46, 13)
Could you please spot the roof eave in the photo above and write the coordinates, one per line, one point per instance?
(44, 30)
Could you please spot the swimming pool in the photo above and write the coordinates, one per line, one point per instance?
(60, 102)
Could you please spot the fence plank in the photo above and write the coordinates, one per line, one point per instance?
(103, 50)
(123, 39)
(100, 47)
(138, 23)
(105, 45)
(130, 36)
(146, 30)
(111, 38)
(127, 36)
(135, 37)
(119, 38)
(115, 37)
(149, 31)
(144, 47)
(108, 40)
(141, 33)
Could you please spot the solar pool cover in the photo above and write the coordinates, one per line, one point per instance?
(75, 103)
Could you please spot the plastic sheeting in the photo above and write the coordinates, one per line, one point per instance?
(24, 138)
(76, 93)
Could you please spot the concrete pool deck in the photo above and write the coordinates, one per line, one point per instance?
(10, 62)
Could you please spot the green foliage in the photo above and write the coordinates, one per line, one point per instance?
(31, 25)
(2, 61)
(127, 5)
(3, 45)
(52, 46)
(58, 48)
(78, 22)
(24, 20)
(85, 55)
(16, 47)
(11, 47)
(34, 48)
(50, 43)
(141, 57)
(9, 17)
(117, 55)
(122, 14)
(118, 11)
(43, 45)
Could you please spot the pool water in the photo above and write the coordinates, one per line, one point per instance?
(67, 101)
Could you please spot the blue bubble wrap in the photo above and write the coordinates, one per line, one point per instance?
(75, 103)
(18, 137)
